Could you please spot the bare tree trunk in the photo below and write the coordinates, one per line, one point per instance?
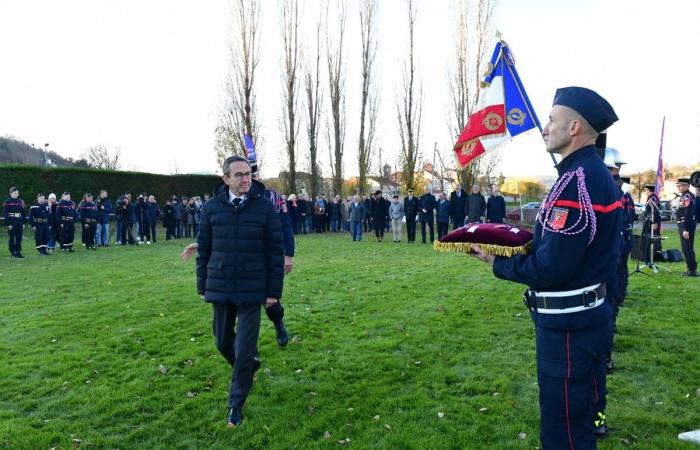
(239, 113)
(409, 108)
(289, 10)
(313, 99)
(336, 78)
(368, 11)
(474, 22)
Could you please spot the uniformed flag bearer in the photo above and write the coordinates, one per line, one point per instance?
(13, 211)
(65, 216)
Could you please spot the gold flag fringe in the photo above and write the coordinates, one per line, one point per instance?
(498, 250)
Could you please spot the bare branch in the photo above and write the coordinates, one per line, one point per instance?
(336, 80)
(368, 11)
(289, 10)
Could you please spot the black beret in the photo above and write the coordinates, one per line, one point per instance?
(651, 187)
(627, 180)
(683, 180)
(13, 189)
(594, 108)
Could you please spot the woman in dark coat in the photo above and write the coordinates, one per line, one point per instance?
(379, 211)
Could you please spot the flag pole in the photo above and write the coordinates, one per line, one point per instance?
(522, 96)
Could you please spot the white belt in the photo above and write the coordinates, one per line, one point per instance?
(575, 309)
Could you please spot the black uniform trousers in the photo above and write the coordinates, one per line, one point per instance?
(442, 228)
(89, 234)
(42, 236)
(15, 239)
(425, 220)
(169, 232)
(411, 228)
(236, 330)
(457, 222)
(379, 227)
(688, 249)
(623, 275)
(67, 234)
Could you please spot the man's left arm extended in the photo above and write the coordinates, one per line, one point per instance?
(204, 239)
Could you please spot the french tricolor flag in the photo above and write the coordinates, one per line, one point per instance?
(507, 111)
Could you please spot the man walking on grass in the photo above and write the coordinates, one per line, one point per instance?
(240, 266)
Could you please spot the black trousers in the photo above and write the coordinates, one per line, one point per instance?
(423, 223)
(411, 228)
(127, 236)
(41, 237)
(151, 232)
(457, 222)
(67, 234)
(169, 232)
(687, 247)
(15, 239)
(275, 312)
(88, 237)
(623, 274)
(442, 228)
(236, 329)
(379, 227)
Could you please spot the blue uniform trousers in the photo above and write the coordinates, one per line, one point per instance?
(67, 235)
(570, 356)
(41, 237)
(238, 346)
(623, 275)
(687, 247)
(15, 239)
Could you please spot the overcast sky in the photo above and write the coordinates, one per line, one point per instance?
(148, 76)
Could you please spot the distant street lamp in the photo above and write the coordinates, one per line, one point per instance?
(46, 154)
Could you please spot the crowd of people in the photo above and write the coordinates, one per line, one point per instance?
(380, 213)
(54, 221)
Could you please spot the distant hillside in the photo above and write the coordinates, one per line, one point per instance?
(16, 151)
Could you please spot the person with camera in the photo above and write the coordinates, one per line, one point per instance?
(240, 267)
(126, 214)
(104, 210)
(66, 213)
(87, 210)
(140, 211)
(13, 211)
(685, 216)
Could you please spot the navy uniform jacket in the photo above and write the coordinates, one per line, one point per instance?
(87, 212)
(495, 209)
(628, 218)
(410, 206)
(697, 210)
(40, 215)
(13, 211)
(65, 212)
(685, 214)
(562, 262)
(427, 202)
(648, 209)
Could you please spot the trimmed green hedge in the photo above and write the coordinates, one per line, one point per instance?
(31, 180)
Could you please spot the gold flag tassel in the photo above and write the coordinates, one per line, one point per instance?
(498, 250)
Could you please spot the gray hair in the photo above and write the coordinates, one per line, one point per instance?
(226, 167)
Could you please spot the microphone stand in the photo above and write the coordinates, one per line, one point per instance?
(654, 209)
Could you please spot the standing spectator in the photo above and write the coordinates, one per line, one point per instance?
(118, 204)
(65, 216)
(13, 212)
(169, 221)
(368, 217)
(427, 205)
(495, 207)
(320, 214)
(411, 207)
(183, 215)
(458, 200)
(379, 214)
(476, 206)
(293, 209)
(303, 212)
(128, 216)
(396, 214)
(177, 210)
(87, 212)
(442, 215)
(239, 230)
(345, 215)
(152, 214)
(357, 216)
(140, 210)
(197, 215)
(40, 220)
(387, 220)
(54, 237)
(334, 214)
(189, 218)
(104, 209)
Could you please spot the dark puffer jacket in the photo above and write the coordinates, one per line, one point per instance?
(241, 254)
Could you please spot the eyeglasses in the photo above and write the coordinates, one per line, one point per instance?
(241, 175)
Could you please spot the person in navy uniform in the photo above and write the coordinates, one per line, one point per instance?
(573, 255)
(426, 206)
(685, 216)
(87, 211)
(411, 205)
(66, 214)
(442, 215)
(40, 219)
(628, 218)
(458, 200)
(13, 212)
(652, 222)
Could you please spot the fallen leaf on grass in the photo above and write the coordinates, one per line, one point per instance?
(191, 394)
(522, 435)
(54, 340)
(697, 392)
(88, 382)
(162, 369)
(326, 435)
(193, 340)
(418, 363)
(483, 409)
(350, 409)
(626, 441)
(188, 362)
(344, 441)
(441, 415)
(376, 417)
(387, 426)
(297, 371)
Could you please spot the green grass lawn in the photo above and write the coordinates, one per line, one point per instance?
(394, 347)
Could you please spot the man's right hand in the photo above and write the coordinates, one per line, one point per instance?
(189, 251)
(9, 227)
(202, 297)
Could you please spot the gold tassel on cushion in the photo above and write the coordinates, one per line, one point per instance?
(498, 250)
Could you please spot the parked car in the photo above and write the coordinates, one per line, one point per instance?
(667, 212)
(529, 211)
(639, 208)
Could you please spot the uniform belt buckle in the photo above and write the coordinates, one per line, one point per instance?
(586, 297)
(526, 299)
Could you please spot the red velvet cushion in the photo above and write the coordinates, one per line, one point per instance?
(500, 234)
